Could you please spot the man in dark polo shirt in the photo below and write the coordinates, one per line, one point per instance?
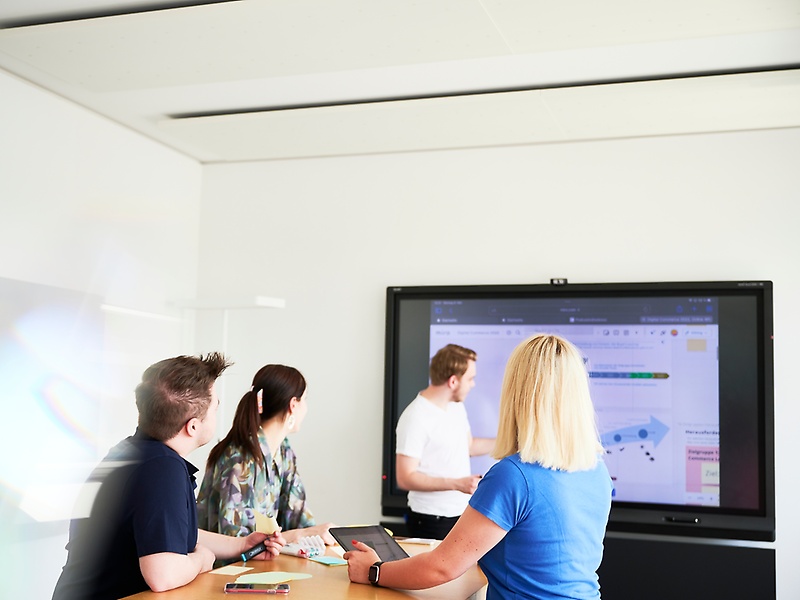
(142, 530)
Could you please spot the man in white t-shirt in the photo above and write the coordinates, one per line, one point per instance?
(434, 443)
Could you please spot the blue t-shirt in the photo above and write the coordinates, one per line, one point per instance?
(555, 523)
(145, 505)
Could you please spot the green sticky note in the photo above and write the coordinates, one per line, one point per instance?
(331, 561)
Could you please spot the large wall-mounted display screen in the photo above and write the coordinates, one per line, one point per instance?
(680, 374)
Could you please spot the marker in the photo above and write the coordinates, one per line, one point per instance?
(254, 551)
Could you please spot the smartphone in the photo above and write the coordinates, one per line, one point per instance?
(256, 588)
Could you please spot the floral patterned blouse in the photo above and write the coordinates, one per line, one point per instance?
(236, 486)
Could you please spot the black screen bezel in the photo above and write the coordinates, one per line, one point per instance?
(714, 522)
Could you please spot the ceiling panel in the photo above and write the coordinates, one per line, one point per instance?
(672, 107)
(17, 12)
(409, 76)
(398, 126)
(534, 26)
(255, 39)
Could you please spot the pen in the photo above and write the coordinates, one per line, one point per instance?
(254, 551)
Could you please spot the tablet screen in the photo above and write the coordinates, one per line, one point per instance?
(373, 536)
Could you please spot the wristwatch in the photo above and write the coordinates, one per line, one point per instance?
(375, 573)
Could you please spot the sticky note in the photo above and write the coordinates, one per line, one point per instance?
(265, 524)
(231, 570)
(271, 577)
(331, 561)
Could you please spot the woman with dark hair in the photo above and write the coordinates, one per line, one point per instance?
(253, 470)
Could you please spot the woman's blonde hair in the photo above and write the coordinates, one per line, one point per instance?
(546, 412)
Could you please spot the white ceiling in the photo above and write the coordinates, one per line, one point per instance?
(268, 79)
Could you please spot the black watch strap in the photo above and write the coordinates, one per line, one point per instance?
(375, 573)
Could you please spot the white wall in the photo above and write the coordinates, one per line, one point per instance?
(330, 235)
(89, 206)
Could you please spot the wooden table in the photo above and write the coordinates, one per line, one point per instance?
(326, 583)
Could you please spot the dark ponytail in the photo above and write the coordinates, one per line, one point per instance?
(278, 384)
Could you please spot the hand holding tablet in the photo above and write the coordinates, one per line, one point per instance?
(373, 536)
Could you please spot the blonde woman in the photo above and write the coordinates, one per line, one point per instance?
(536, 523)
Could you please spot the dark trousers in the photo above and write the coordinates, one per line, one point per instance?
(428, 526)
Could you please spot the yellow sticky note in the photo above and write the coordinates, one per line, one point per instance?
(265, 524)
(231, 570)
(271, 577)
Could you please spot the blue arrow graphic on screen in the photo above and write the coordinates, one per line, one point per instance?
(650, 432)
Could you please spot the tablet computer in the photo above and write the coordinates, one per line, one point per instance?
(373, 536)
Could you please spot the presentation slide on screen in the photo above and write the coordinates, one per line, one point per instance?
(655, 389)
